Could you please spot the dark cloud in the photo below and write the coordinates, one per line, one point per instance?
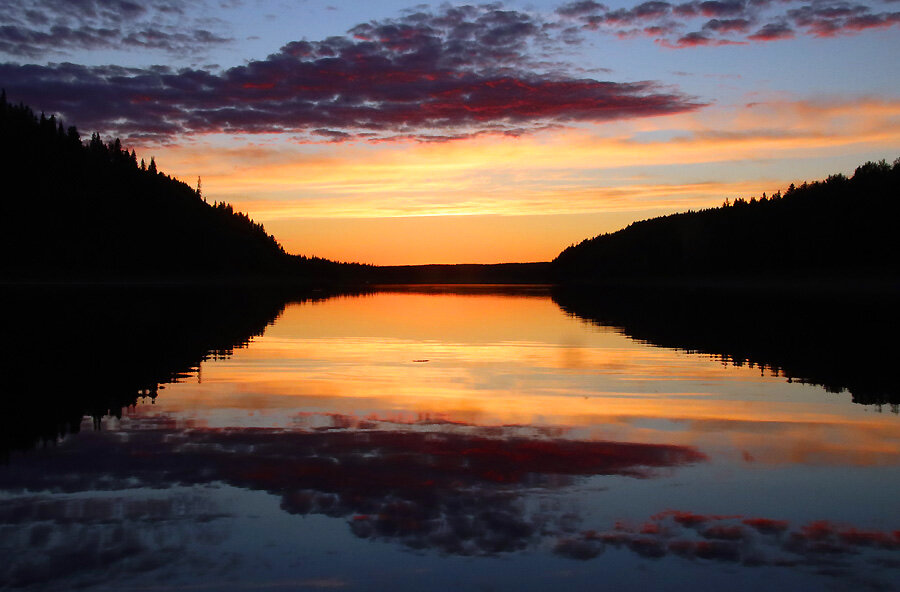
(56, 27)
(428, 75)
(872, 21)
(722, 8)
(457, 72)
(772, 32)
(584, 7)
(332, 135)
(696, 39)
(643, 11)
(729, 22)
(687, 9)
(693, 40)
(738, 25)
(810, 14)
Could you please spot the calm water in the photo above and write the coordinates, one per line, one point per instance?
(448, 439)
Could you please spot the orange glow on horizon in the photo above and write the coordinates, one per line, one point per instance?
(347, 201)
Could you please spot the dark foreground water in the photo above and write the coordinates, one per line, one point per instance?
(448, 439)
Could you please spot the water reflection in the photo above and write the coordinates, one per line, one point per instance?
(72, 352)
(455, 488)
(366, 440)
(826, 548)
(125, 502)
(840, 342)
(66, 543)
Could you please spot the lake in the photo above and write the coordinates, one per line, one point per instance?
(448, 438)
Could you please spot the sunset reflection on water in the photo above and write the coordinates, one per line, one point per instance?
(495, 360)
(430, 427)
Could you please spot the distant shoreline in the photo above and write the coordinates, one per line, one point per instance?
(478, 276)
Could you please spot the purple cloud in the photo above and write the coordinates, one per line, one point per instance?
(581, 8)
(55, 27)
(453, 73)
(739, 25)
(772, 32)
(729, 22)
(720, 8)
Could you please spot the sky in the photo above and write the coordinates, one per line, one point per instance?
(389, 132)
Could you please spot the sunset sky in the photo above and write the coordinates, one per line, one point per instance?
(388, 132)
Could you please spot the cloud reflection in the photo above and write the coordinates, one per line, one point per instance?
(450, 487)
(456, 488)
(88, 540)
(822, 547)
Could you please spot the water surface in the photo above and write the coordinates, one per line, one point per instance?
(449, 438)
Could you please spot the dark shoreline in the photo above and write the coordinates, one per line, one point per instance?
(471, 275)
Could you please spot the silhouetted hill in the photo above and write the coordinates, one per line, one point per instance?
(836, 227)
(92, 211)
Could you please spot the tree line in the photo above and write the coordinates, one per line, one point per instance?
(74, 209)
(838, 226)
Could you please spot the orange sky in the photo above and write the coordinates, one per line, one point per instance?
(495, 199)
(477, 133)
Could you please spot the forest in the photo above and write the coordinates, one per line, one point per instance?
(91, 210)
(837, 227)
(75, 210)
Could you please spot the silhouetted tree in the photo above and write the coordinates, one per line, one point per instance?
(103, 215)
(837, 226)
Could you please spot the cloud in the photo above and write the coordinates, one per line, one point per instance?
(719, 8)
(772, 32)
(728, 22)
(429, 76)
(738, 25)
(831, 19)
(57, 27)
(695, 39)
(872, 21)
(581, 8)
(644, 11)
